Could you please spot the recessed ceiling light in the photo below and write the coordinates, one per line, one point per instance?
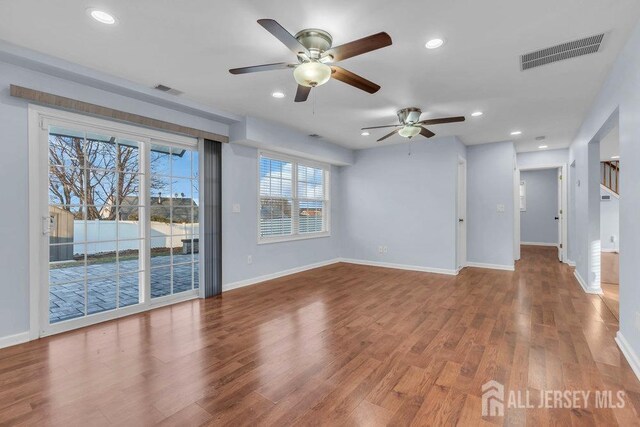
(365, 133)
(615, 157)
(543, 146)
(434, 43)
(517, 132)
(102, 16)
(476, 113)
(278, 94)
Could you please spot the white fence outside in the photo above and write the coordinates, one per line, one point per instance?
(101, 235)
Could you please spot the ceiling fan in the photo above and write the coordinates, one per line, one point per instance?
(411, 125)
(316, 58)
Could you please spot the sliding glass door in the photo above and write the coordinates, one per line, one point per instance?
(174, 209)
(95, 233)
(122, 221)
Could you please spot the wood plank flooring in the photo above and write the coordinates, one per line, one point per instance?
(339, 345)
(610, 281)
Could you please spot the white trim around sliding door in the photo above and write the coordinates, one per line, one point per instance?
(39, 120)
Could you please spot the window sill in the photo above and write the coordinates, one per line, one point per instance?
(293, 238)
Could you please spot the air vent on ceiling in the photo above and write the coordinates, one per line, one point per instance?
(314, 135)
(167, 89)
(561, 52)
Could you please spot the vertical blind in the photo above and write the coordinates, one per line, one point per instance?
(212, 195)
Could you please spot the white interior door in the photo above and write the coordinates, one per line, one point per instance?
(560, 213)
(462, 214)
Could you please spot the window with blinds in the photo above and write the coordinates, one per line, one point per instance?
(293, 198)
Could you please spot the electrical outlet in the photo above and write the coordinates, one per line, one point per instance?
(500, 208)
(384, 249)
(380, 249)
(235, 208)
(249, 259)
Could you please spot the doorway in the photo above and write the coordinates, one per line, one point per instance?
(610, 220)
(543, 207)
(116, 219)
(461, 230)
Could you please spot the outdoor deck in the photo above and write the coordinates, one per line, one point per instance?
(67, 300)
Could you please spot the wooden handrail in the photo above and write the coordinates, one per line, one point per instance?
(611, 175)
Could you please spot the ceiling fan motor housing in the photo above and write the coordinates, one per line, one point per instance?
(409, 115)
(315, 40)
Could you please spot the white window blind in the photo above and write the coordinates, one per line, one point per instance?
(293, 199)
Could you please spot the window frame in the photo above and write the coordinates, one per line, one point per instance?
(295, 223)
(39, 120)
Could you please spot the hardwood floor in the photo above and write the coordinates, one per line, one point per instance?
(610, 281)
(343, 344)
(610, 267)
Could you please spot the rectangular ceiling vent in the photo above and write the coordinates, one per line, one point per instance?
(561, 52)
(167, 89)
(314, 135)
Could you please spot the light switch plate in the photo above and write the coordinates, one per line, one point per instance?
(235, 208)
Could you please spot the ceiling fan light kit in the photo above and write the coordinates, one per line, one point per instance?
(312, 74)
(409, 131)
(314, 50)
(411, 125)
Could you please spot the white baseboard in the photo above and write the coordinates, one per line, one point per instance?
(255, 280)
(609, 250)
(571, 263)
(629, 354)
(400, 266)
(583, 284)
(491, 266)
(555, 245)
(16, 339)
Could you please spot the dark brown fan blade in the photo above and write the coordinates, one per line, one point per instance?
(426, 132)
(302, 93)
(380, 127)
(358, 47)
(440, 121)
(388, 135)
(265, 67)
(283, 35)
(354, 80)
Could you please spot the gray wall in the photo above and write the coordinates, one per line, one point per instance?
(619, 99)
(240, 230)
(537, 223)
(542, 158)
(404, 202)
(490, 234)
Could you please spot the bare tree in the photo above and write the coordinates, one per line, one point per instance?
(93, 173)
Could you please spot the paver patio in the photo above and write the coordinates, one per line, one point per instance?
(66, 300)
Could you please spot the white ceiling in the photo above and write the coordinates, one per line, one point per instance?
(191, 45)
(610, 145)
